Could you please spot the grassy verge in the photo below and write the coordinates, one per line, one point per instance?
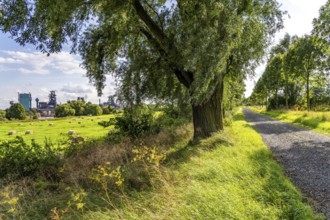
(315, 121)
(230, 175)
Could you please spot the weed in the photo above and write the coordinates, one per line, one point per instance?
(8, 201)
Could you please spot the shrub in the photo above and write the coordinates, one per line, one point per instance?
(16, 111)
(17, 158)
(3, 115)
(134, 123)
(108, 110)
(33, 113)
(93, 109)
(64, 110)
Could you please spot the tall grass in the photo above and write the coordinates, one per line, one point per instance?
(231, 175)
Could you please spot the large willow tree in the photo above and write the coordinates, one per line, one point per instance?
(156, 48)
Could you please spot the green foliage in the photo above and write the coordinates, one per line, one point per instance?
(92, 109)
(16, 111)
(3, 115)
(297, 68)
(33, 114)
(322, 28)
(108, 110)
(64, 110)
(79, 107)
(157, 52)
(135, 122)
(18, 159)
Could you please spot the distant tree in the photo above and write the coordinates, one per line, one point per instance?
(3, 115)
(321, 28)
(64, 110)
(306, 61)
(78, 106)
(16, 111)
(281, 49)
(273, 77)
(93, 109)
(33, 113)
(108, 110)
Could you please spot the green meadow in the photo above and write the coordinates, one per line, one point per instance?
(55, 130)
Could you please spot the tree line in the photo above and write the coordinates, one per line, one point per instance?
(17, 112)
(81, 108)
(297, 70)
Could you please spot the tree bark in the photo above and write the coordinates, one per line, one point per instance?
(307, 91)
(208, 117)
(286, 92)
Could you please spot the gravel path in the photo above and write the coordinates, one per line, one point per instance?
(305, 156)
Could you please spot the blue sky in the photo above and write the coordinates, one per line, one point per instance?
(23, 69)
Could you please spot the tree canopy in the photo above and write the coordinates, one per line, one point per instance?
(301, 63)
(156, 49)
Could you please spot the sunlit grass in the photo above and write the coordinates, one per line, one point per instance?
(230, 175)
(55, 130)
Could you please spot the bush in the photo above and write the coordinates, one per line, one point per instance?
(3, 115)
(18, 159)
(33, 113)
(64, 110)
(92, 109)
(106, 110)
(134, 123)
(16, 111)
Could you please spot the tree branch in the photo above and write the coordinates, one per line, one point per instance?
(153, 27)
(163, 54)
(159, 18)
(158, 38)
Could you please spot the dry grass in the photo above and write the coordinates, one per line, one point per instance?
(78, 166)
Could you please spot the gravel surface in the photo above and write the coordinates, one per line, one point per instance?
(305, 156)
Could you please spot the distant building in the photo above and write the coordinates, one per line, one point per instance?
(110, 102)
(47, 109)
(26, 100)
(81, 99)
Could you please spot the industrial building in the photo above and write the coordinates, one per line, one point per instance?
(110, 102)
(26, 100)
(47, 109)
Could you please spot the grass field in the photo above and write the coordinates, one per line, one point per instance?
(55, 130)
(231, 175)
(315, 121)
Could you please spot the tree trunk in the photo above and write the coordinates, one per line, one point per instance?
(276, 99)
(307, 91)
(286, 92)
(208, 117)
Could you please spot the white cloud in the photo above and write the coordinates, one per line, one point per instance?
(39, 71)
(76, 89)
(5, 60)
(39, 63)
